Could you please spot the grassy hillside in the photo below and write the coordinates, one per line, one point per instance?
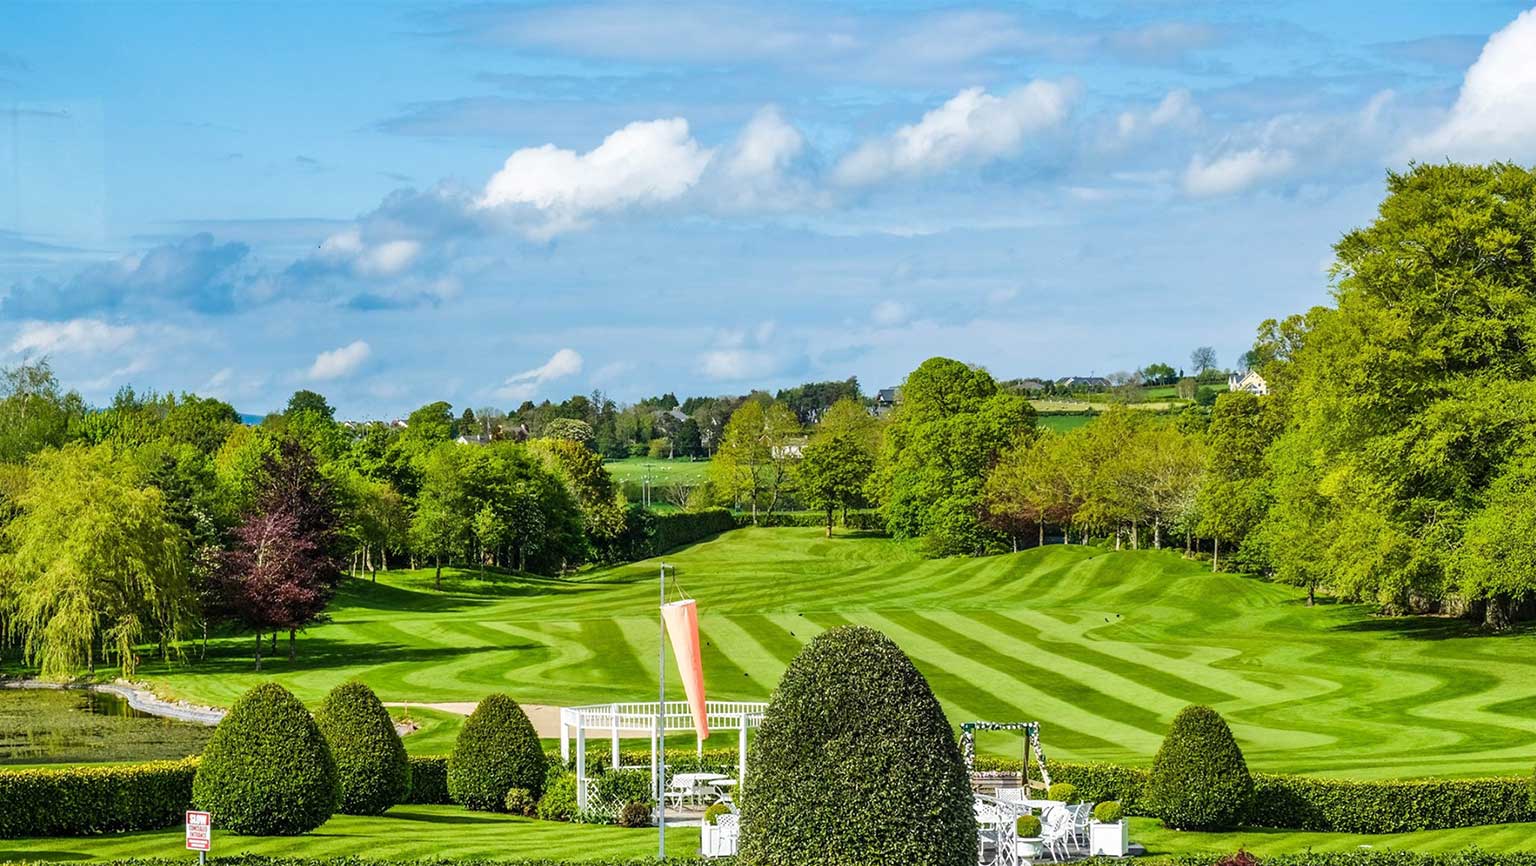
(1103, 648)
(661, 471)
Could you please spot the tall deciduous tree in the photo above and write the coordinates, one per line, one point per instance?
(839, 459)
(756, 453)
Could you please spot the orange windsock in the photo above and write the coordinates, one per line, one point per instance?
(682, 619)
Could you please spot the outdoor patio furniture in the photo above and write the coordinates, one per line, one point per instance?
(1082, 815)
(997, 835)
(1056, 832)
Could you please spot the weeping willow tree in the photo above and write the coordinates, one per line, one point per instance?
(93, 567)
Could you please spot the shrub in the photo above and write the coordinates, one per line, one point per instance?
(267, 770)
(371, 765)
(678, 528)
(623, 786)
(80, 801)
(559, 800)
(855, 763)
(1199, 779)
(1066, 792)
(1386, 806)
(636, 814)
(520, 802)
(429, 780)
(497, 750)
(714, 811)
(1027, 826)
(1108, 812)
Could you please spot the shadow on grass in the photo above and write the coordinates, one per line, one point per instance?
(45, 856)
(452, 818)
(237, 656)
(1430, 627)
(462, 590)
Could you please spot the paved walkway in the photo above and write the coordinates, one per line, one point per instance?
(545, 717)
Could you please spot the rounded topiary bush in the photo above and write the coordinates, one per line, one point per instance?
(1027, 827)
(1108, 812)
(1199, 780)
(1066, 792)
(267, 770)
(855, 763)
(497, 750)
(371, 764)
(637, 814)
(713, 813)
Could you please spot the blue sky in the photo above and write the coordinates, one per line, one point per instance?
(396, 203)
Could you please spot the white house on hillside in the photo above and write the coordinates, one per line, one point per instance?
(1250, 381)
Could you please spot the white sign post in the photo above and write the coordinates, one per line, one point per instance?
(200, 834)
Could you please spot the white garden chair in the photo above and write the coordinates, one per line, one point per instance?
(1056, 832)
(1082, 815)
(729, 828)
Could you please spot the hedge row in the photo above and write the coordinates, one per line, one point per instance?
(429, 781)
(1336, 805)
(80, 801)
(1464, 857)
(867, 519)
(260, 860)
(675, 529)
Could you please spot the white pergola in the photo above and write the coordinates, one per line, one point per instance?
(654, 721)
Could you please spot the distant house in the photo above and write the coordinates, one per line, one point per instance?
(885, 401)
(793, 450)
(1084, 383)
(1029, 385)
(1250, 381)
(472, 439)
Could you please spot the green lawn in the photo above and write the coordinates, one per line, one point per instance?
(445, 832)
(1102, 647)
(661, 471)
(1062, 423)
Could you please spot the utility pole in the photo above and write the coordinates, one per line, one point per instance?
(661, 723)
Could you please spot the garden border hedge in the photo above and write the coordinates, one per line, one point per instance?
(85, 801)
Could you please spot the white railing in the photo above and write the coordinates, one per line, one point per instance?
(675, 716)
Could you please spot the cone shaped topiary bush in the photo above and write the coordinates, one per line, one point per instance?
(855, 763)
(497, 750)
(1199, 779)
(371, 764)
(267, 770)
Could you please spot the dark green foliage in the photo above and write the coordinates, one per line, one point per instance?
(81, 801)
(497, 750)
(1199, 778)
(371, 765)
(519, 802)
(636, 814)
(673, 530)
(855, 763)
(559, 800)
(429, 780)
(1027, 826)
(863, 519)
(267, 771)
(258, 860)
(623, 786)
(1108, 812)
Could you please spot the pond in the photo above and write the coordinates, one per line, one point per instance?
(67, 726)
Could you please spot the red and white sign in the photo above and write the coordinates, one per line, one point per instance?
(199, 831)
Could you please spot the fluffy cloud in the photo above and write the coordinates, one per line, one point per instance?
(741, 355)
(338, 363)
(1495, 115)
(973, 127)
(765, 168)
(1176, 110)
(644, 163)
(379, 259)
(523, 386)
(75, 337)
(1235, 171)
(197, 273)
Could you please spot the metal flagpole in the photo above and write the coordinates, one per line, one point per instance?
(661, 725)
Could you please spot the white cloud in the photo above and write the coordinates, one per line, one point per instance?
(766, 146)
(384, 259)
(974, 127)
(740, 355)
(340, 362)
(1494, 118)
(76, 336)
(1176, 110)
(1235, 171)
(890, 313)
(522, 386)
(646, 162)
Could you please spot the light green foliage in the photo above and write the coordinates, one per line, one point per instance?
(1199, 779)
(751, 467)
(855, 763)
(431, 424)
(34, 413)
(1235, 493)
(558, 803)
(1066, 792)
(1027, 827)
(839, 459)
(1497, 557)
(582, 471)
(371, 766)
(715, 810)
(497, 751)
(92, 558)
(267, 771)
(569, 430)
(949, 427)
(1108, 812)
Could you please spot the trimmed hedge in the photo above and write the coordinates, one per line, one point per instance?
(260, 860)
(1199, 780)
(370, 759)
(497, 750)
(267, 770)
(855, 763)
(82, 801)
(861, 519)
(675, 529)
(1467, 857)
(429, 781)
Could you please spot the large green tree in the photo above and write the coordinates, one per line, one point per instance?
(839, 459)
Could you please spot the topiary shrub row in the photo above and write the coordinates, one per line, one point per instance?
(429, 781)
(497, 750)
(855, 763)
(1199, 779)
(675, 529)
(81, 801)
(864, 519)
